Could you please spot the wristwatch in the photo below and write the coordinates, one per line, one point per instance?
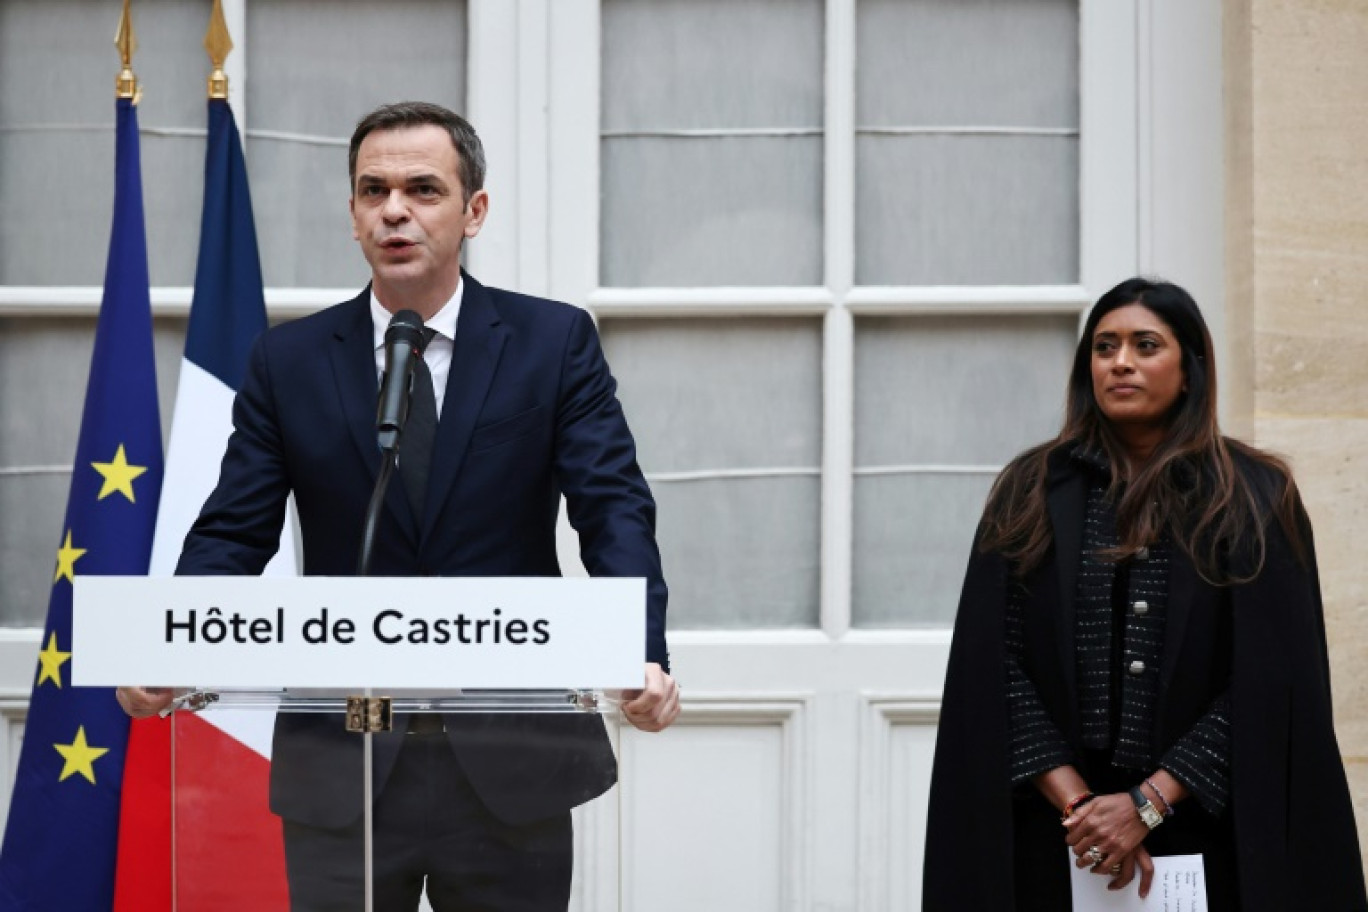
(1146, 809)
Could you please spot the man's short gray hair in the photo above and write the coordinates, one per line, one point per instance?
(402, 114)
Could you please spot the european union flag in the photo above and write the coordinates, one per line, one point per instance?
(60, 841)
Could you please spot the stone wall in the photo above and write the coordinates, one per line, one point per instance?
(1296, 103)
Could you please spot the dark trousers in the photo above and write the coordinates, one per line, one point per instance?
(431, 829)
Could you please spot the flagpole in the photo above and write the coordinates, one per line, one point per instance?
(218, 44)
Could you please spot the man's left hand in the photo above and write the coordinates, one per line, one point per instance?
(656, 705)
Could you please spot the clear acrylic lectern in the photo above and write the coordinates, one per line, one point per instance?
(327, 799)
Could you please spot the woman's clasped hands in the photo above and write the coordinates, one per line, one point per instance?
(1108, 836)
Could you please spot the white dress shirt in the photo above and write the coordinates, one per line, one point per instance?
(439, 350)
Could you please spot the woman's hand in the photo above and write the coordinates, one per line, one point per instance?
(1138, 860)
(1110, 825)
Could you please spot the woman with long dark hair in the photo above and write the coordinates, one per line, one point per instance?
(1139, 664)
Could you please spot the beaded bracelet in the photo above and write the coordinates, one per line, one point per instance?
(1077, 803)
(1168, 808)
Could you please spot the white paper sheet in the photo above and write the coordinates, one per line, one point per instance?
(1179, 886)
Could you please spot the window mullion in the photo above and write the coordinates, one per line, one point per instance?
(235, 67)
(838, 385)
(574, 100)
(492, 63)
(1108, 152)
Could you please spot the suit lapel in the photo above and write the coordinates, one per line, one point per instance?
(353, 365)
(478, 345)
(1067, 502)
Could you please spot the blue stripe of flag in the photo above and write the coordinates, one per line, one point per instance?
(229, 310)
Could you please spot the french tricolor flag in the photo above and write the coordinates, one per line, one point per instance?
(210, 842)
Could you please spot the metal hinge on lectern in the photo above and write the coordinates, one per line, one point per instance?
(367, 715)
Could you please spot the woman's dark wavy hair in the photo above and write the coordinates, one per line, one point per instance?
(1191, 487)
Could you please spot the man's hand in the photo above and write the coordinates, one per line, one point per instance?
(141, 702)
(656, 705)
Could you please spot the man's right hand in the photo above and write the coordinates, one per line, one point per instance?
(141, 702)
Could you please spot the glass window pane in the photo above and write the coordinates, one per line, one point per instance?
(936, 397)
(709, 64)
(299, 199)
(308, 76)
(57, 70)
(33, 505)
(39, 423)
(967, 63)
(958, 390)
(912, 540)
(38, 428)
(737, 201)
(740, 553)
(82, 208)
(967, 210)
(705, 399)
(720, 394)
(712, 211)
(967, 142)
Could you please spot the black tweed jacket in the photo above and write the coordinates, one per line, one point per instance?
(1121, 616)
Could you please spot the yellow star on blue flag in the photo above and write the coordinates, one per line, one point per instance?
(67, 556)
(79, 757)
(118, 475)
(50, 662)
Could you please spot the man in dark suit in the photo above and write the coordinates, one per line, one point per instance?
(478, 805)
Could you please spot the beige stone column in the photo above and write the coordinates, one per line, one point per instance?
(1296, 117)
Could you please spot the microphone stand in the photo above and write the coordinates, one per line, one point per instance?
(389, 439)
(389, 460)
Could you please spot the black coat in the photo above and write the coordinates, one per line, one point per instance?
(1290, 817)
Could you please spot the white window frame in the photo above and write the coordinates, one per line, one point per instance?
(1109, 186)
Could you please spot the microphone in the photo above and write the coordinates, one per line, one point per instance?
(403, 346)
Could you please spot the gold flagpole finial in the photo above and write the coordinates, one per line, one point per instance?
(126, 85)
(219, 44)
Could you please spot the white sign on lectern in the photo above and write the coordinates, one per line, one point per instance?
(475, 632)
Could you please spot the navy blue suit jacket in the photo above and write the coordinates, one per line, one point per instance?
(530, 412)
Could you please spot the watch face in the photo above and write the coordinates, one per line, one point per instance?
(1146, 809)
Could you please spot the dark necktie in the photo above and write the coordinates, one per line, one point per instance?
(415, 448)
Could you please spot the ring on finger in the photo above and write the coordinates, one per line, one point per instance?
(1094, 855)
(1116, 868)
